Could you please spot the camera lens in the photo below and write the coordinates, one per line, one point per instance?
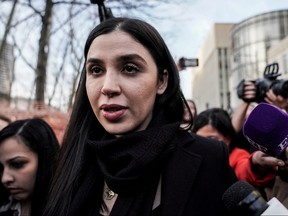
(280, 88)
(284, 89)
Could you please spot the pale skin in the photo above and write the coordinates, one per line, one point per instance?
(18, 170)
(3, 124)
(122, 82)
(239, 115)
(276, 100)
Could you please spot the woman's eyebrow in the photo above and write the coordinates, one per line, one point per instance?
(121, 58)
(131, 57)
(93, 60)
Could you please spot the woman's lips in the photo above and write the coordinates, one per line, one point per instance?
(14, 190)
(113, 112)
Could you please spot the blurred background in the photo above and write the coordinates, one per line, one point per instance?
(216, 44)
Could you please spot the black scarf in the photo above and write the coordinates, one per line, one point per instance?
(131, 166)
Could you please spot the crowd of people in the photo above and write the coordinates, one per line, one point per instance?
(249, 164)
(134, 145)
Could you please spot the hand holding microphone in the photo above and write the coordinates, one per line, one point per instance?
(266, 128)
(261, 159)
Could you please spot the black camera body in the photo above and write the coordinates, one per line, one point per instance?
(270, 81)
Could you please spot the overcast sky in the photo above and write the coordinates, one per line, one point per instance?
(191, 20)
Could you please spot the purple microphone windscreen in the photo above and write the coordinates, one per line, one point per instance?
(266, 128)
(236, 193)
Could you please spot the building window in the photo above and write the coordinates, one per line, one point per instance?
(220, 58)
(285, 64)
(282, 26)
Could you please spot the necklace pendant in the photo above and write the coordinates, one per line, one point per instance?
(109, 194)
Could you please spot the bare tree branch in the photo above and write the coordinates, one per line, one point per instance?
(77, 17)
(23, 20)
(21, 55)
(58, 74)
(7, 28)
(71, 16)
(34, 9)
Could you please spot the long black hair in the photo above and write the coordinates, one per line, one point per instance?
(82, 119)
(220, 120)
(38, 136)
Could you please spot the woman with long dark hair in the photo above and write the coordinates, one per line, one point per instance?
(124, 152)
(28, 154)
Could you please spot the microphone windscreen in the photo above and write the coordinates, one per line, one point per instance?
(266, 128)
(236, 193)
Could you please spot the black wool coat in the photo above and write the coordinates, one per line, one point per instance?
(195, 178)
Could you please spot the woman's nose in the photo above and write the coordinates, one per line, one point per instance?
(6, 177)
(111, 85)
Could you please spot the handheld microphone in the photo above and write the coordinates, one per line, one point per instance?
(266, 128)
(242, 199)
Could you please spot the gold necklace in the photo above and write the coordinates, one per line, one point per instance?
(109, 194)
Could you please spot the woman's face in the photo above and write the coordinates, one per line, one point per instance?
(210, 132)
(122, 82)
(18, 168)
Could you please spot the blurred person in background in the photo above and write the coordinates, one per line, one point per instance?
(190, 112)
(28, 154)
(192, 106)
(216, 123)
(4, 121)
(257, 168)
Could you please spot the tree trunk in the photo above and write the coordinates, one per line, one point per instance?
(3, 46)
(41, 68)
(7, 28)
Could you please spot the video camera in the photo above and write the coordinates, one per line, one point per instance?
(270, 81)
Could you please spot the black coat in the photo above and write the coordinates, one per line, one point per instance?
(193, 180)
(196, 177)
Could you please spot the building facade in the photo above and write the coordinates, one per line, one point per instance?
(251, 41)
(211, 77)
(237, 51)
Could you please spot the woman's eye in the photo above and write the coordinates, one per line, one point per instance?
(17, 164)
(95, 70)
(130, 68)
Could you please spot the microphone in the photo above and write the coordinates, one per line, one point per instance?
(266, 128)
(241, 199)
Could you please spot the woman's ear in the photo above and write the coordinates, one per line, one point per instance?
(163, 82)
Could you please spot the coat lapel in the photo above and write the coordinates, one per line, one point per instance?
(178, 180)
